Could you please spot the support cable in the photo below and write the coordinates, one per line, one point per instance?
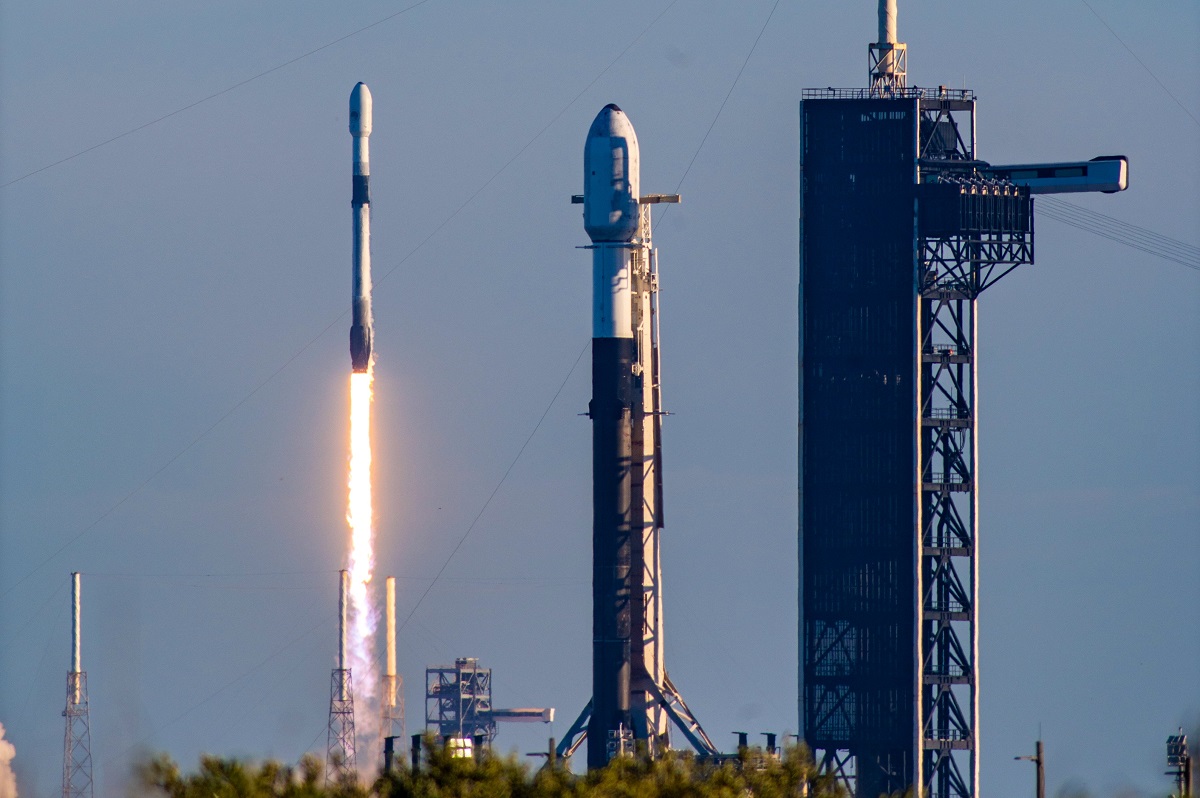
(1149, 71)
(1138, 238)
(162, 727)
(341, 316)
(496, 489)
(215, 95)
(728, 94)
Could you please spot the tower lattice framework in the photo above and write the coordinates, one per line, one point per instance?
(393, 710)
(77, 745)
(340, 761)
(971, 232)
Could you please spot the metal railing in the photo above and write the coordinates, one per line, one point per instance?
(906, 93)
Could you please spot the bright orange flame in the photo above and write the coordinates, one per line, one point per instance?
(360, 517)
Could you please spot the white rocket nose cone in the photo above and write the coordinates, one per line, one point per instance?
(360, 110)
(611, 177)
(612, 122)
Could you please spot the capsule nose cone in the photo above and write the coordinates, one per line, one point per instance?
(612, 122)
(611, 177)
(360, 110)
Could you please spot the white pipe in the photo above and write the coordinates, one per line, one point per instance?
(343, 600)
(391, 625)
(76, 657)
(887, 22)
(75, 622)
(389, 693)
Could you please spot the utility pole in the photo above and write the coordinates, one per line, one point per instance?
(1038, 759)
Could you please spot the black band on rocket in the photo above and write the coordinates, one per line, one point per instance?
(362, 191)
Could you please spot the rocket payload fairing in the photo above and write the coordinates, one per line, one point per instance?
(361, 322)
(611, 217)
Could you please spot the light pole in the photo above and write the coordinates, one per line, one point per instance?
(1039, 759)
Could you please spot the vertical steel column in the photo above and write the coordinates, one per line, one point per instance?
(955, 265)
(946, 609)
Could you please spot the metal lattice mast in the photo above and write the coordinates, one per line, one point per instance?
(340, 762)
(77, 744)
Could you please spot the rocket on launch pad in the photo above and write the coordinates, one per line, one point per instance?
(633, 700)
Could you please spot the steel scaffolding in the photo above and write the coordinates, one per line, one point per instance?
(972, 230)
(77, 746)
(340, 762)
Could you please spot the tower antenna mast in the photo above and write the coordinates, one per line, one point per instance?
(77, 745)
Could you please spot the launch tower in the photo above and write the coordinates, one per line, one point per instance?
(902, 227)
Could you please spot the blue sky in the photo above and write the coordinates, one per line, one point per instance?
(173, 362)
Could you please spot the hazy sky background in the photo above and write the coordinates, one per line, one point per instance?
(173, 362)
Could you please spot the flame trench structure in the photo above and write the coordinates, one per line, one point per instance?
(360, 517)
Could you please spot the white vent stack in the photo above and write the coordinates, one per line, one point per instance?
(392, 705)
(390, 693)
(76, 657)
(888, 58)
(343, 601)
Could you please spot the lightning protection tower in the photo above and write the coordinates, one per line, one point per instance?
(77, 745)
(340, 767)
(902, 228)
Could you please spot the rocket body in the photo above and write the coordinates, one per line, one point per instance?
(361, 323)
(611, 218)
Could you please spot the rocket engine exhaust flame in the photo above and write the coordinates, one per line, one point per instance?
(364, 617)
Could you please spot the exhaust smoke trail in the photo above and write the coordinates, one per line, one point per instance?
(364, 617)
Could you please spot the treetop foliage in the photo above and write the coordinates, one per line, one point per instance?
(752, 774)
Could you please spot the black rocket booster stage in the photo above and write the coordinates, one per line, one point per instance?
(633, 700)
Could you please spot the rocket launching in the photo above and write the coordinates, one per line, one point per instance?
(360, 509)
(361, 321)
